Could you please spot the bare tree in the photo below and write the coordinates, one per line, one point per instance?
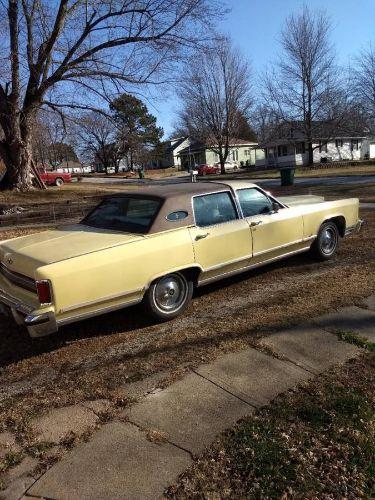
(215, 97)
(305, 87)
(363, 83)
(53, 141)
(67, 53)
(97, 136)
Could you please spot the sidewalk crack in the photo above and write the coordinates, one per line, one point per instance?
(144, 430)
(254, 405)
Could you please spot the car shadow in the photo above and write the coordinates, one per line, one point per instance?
(16, 345)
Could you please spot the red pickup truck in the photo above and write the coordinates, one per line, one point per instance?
(54, 178)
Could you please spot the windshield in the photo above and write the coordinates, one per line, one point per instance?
(125, 213)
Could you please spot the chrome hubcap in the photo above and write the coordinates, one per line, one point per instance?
(329, 238)
(170, 293)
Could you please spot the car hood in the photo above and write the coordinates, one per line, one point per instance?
(27, 253)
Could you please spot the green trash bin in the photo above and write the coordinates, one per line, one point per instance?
(287, 176)
(141, 173)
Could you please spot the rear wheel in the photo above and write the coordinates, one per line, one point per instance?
(326, 243)
(168, 296)
(59, 182)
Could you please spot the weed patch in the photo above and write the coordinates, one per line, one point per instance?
(11, 459)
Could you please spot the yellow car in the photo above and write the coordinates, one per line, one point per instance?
(155, 245)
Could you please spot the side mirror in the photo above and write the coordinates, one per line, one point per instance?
(275, 207)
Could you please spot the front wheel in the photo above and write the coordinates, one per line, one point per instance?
(168, 296)
(326, 243)
(59, 182)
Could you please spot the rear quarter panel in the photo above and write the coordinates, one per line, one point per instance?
(314, 215)
(116, 275)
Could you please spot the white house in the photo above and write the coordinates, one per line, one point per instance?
(287, 147)
(170, 153)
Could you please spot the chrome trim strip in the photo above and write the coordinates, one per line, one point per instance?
(105, 299)
(228, 263)
(37, 319)
(251, 266)
(234, 261)
(91, 314)
(8, 299)
(280, 247)
(354, 229)
(17, 278)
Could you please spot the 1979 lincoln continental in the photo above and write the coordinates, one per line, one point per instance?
(156, 244)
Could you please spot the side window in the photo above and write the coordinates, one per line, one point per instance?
(214, 209)
(253, 202)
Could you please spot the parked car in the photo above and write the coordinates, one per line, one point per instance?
(51, 178)
(229, 165)
(207, 169)
(156, 245)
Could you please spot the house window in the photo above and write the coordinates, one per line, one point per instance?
(300, 148)
(247, 152)
(339, 143)
(282, 150)
(354, 145)
(234, 155)
(322, 147)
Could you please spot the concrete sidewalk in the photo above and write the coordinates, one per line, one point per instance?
(124, 460)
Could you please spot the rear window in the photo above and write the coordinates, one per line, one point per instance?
(125, 213)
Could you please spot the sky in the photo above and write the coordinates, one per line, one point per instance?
(254, 26)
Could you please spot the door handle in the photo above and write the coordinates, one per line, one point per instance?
(201, 236)
(252, 224)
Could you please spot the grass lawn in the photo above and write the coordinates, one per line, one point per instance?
(68, 192)
(315, 442)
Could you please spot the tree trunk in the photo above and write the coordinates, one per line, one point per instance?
(310, 153)
(16, 152)
(222, 166)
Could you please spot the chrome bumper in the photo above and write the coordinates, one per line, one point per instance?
(354, 229)
(37, 324)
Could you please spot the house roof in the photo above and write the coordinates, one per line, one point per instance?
(177, 142)
(293, 132)
(199, 146)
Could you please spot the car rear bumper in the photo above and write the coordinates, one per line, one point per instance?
(38, 323)
(354, 229)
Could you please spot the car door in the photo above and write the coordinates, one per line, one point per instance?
(221, 239)
(274, 232)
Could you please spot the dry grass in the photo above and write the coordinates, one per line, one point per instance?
(74, 192)
(92, 358)
(95, 358)
(315, 442)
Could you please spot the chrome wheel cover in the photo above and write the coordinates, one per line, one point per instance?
(328, 240)
(170, 293)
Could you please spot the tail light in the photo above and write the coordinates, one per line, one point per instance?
(44, 292)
